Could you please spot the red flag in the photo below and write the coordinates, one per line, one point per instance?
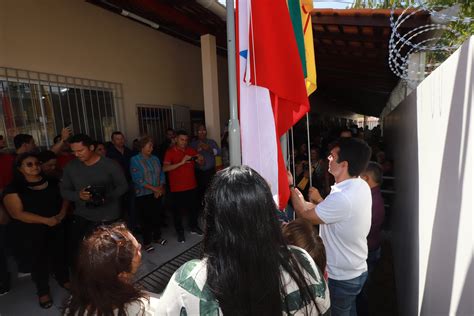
(276, 65)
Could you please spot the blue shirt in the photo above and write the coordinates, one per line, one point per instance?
(146, 171)
(209, 155)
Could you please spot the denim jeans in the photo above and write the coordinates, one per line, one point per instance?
(343, 295)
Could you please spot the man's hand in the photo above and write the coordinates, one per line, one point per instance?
(290, 177)
(314, 195)
(186, 159)
(65, 133)
(85, 195)
(304, 209)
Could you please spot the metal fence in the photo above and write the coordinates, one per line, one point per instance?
(42, 104)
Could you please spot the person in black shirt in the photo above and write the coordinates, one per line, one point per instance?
(34, 202)
(122, 154)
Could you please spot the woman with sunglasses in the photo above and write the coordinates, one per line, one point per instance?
(247, 267)
(103, 282)
(37, 209)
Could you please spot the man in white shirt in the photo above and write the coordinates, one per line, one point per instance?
(345, 217)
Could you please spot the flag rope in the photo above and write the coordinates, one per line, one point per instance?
(309, 152)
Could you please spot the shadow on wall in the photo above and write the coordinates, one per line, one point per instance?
(401, 132)
(441, 262)
(466, 306)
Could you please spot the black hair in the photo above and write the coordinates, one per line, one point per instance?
(356, 152)
(169, 129)
(19, 180)
(21, 139)
(22, 157)
(245, 248)
(86, 140)
(97, 143)
(46, 155)
(182, 132)
(114, 134)
(375, 170)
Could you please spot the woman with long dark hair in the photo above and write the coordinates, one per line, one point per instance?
(34, 203)
(247, 267)
(103, 281)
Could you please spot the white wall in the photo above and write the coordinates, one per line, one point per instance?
(432, 224)
(78, 39)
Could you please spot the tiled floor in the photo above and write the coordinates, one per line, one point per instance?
(22, 300)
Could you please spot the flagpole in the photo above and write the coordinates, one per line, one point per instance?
(284, 148)
(235, 155)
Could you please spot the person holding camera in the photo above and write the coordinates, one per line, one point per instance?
(179, 163)
(95, 184)
(149, 186)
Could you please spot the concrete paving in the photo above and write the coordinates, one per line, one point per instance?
(22, 299)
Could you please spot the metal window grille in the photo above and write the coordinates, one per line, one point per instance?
(153, 120)
(42, 104)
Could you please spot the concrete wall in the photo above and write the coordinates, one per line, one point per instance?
(433, 241)
(78, 39)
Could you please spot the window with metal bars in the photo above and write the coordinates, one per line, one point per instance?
(154, 120)
(42, 104)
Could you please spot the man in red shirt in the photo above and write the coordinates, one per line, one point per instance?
(23, 143)
(179, 163)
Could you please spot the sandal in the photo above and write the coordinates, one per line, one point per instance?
(161, 241)
(45, 304)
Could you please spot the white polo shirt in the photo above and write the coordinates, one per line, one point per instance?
(347, 214)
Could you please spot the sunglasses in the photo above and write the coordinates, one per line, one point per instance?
(31, 164)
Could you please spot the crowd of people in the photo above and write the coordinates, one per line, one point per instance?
(77, 210)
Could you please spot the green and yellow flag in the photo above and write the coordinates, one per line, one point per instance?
(306, 7)
(300, 13)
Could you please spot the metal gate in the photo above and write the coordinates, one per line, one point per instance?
(154, 120)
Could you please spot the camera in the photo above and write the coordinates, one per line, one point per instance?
(193, 158)
(97, 196)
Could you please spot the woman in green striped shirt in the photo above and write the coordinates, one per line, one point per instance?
(247, 267)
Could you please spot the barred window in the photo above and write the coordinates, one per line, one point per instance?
(42, 104)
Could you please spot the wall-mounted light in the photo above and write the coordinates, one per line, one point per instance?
(140, 19)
